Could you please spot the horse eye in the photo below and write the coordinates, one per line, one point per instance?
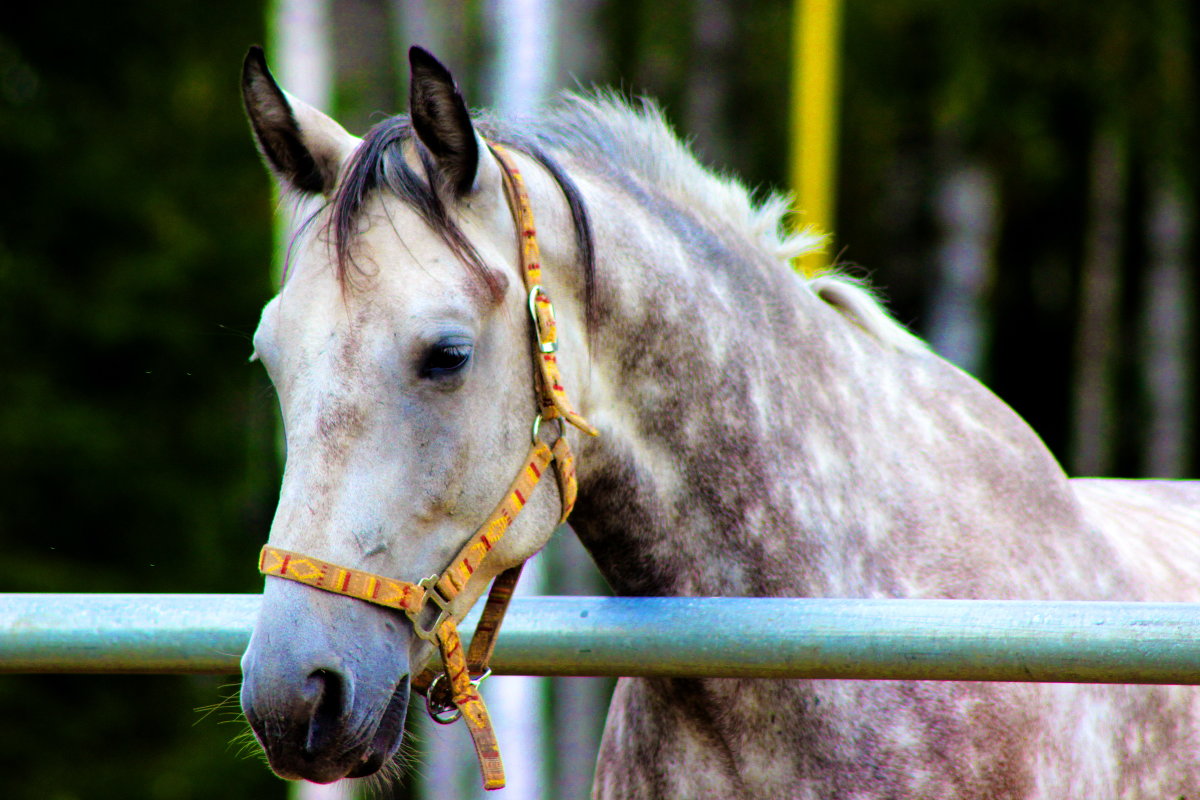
(445, 359)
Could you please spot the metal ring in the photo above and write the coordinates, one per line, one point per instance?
(487, 673)
(537, 426)
(438, 711)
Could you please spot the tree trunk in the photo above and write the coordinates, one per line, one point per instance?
(1093, 448)
(708, 79)
(965, 205)
(1167, 332)
(439, 28)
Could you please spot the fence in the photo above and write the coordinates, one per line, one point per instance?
(701, 637)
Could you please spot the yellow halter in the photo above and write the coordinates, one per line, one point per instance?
(427, 603)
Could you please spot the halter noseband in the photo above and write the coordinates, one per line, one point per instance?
(427, 603)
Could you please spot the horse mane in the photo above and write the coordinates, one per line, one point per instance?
(379, 163)
(634, 137)
(619, 139)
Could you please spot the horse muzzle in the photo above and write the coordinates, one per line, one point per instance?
(325, 683)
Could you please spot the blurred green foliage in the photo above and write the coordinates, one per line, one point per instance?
(138, 446)
(1022, 88)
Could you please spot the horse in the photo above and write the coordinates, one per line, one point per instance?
(761, 433)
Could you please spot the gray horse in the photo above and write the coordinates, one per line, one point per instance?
(761, 434)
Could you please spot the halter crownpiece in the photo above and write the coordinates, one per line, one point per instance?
(428, 603)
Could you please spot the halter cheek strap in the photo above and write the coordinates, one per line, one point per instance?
(428, 602)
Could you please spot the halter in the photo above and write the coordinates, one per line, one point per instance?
(427, 603)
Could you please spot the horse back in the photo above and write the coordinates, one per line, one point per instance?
(1154, 526)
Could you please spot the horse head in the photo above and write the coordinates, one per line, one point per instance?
(402, 362)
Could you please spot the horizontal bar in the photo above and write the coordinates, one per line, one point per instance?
(666, 637)
(125, 633)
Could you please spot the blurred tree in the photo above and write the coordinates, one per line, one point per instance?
(1093, 443)
(1168, 308)
(138, 451)
(1078, 110)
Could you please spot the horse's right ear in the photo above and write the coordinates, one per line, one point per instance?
(303, 147)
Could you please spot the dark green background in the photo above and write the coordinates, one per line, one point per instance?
(136, 443)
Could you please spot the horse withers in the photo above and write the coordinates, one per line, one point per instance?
(760, 434)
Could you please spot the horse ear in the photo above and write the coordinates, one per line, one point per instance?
(302, 146)
(441, 121)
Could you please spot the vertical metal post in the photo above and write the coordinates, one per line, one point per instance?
(813, 142)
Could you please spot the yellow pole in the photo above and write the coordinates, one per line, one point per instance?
(815, 35)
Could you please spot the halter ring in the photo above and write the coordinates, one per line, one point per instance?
(440, 711)
(537, 426)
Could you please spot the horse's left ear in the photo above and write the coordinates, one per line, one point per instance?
(303, 147)
(441, 120)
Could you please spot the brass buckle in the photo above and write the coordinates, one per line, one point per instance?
(432, 594)
(543, 347)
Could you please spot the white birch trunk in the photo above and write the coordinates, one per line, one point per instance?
(1166, 340)
(580, 705)
(965, 205)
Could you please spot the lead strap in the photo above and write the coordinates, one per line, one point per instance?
(466, 698)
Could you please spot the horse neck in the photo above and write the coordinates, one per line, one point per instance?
(708, 361)
(755, 441)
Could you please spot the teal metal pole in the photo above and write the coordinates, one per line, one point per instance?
(147, 633)
(668, 637)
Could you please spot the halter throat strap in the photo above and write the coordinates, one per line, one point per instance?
(429, 602)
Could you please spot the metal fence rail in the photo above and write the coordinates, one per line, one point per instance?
(673, 637)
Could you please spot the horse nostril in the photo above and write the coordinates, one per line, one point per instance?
(324, 690)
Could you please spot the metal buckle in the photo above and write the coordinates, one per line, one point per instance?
(543, 347)
(429, 634)
(440, 711)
